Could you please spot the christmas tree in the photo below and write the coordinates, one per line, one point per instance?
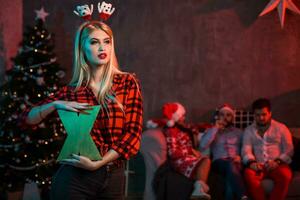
(29, 154)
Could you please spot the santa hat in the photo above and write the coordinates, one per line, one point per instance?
(173, 112)
(227, 107)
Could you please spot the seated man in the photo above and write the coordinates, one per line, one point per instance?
(267, 150)
(224, 141)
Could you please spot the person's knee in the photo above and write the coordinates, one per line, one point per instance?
(284, 176)
(250, 176)
(206, 162)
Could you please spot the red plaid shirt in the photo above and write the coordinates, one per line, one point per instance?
(117, 130)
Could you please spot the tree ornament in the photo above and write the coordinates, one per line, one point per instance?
(41, 14)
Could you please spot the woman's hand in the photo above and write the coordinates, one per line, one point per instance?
(237, 159)
(83, 162)
(71, 106)
(196, 153)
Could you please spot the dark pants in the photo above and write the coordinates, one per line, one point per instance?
(71, 183)
(170, 185)
(234, 183)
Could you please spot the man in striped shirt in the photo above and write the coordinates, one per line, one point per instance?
(224, 141)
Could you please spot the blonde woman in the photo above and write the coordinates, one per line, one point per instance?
(96, 80)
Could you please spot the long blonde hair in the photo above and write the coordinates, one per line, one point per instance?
(81, 69)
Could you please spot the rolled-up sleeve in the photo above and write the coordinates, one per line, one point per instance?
(287, 148)
(208, 137)
(129, 144)
(59, 95)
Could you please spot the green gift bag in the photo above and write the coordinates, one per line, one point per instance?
(78, 127)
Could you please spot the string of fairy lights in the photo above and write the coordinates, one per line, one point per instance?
(35, 163)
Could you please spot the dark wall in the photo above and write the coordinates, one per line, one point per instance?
(199, 52)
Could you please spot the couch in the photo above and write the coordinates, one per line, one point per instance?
(154, 151)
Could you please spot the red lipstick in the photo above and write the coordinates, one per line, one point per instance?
(102, 55)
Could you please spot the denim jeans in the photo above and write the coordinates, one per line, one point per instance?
(72, 183)
(233, 177)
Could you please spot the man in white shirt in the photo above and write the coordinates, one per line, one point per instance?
(267, 151)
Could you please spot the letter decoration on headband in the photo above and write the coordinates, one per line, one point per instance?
(105, 11)
(84, 11)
